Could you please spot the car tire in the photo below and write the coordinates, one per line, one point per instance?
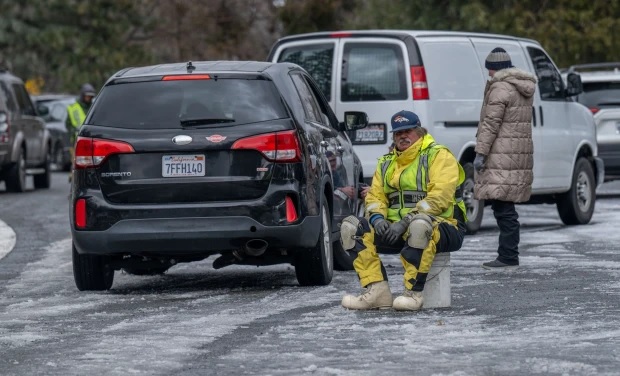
(315, 266)
(343, 260)
(475, 208)
(16, 177)
(151, 270)
(92, 272)
(577, 205)
(59, 158)
(44, 180)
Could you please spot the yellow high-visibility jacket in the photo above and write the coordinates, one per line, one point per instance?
(424, 177)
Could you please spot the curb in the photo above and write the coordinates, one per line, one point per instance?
(7, 239)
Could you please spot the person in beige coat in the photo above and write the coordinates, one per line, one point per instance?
(504, 151)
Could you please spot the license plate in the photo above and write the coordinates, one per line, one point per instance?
(373, 133)
(173, 166)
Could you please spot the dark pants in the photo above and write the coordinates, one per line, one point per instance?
(508, 223)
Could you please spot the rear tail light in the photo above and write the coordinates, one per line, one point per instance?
(276, 147)
(4, 127)
(419, 84)
(80, 213)
(340, 35)
(291, 210)
(594, 110)
(91, 152)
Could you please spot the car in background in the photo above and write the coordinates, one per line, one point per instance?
(178, 162)
(601, 94)
(53, 109)
(25, 146)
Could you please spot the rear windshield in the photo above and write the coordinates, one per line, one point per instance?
(175, 104)
(600, 94)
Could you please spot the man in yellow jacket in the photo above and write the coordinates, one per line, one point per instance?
(412, 205)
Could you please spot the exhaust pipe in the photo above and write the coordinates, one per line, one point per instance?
(255, 247)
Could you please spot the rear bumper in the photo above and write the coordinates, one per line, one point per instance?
(176, 236)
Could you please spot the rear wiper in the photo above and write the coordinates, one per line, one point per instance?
(204, 121)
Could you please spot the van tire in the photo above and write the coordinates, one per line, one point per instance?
(315, 266)
(577, 205)
(475, 208)
(91, 272)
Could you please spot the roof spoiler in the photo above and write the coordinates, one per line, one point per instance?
(593, 66)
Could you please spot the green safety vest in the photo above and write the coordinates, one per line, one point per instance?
(414, 184)
(76, 114)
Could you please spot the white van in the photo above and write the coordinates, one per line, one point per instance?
(441, 77)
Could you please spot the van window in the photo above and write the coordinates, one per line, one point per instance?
(317, 59)
(455, 72)
(373, 72)
(10, 101)
(550, 82)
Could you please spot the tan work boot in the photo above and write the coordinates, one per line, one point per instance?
(409, 301)
(376, 296)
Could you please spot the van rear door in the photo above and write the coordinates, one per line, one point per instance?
(375, 78)
(317, 57)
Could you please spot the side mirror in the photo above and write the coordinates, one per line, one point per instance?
(355, 120)
(573, 84)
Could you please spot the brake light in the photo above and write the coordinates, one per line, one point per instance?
(594, 110)
(277, 147)
(419, 84)
(80, 213)
(340, 35)
(291, 210)
(180, 77)
(91, 152)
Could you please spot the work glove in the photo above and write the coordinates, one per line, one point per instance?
(479, 162)
(397, 229)
(381, 227)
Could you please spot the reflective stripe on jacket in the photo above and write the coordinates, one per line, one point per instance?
(424, 176)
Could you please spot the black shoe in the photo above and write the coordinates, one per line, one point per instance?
(498, 265)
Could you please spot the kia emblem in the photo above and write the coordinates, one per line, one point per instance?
(216, 138)
(181, 140)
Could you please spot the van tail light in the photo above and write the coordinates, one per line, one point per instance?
(419, 84)
(80, 213)
(280, 147)
(291, 210)
(594, 110)
(91, 152)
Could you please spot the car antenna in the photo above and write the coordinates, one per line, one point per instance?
(190, 67)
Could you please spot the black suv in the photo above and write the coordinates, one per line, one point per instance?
(25, 146)
(178, 162)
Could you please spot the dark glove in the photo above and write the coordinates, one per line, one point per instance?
(381, 227)
(479, 162)
(395, 232)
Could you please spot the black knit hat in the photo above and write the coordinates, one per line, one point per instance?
(498, 59)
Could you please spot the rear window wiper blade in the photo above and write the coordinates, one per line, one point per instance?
(205, 121)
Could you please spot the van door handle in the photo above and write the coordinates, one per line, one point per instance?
(542, 121)
(534, 115)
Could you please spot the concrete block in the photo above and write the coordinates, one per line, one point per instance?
(437, 292)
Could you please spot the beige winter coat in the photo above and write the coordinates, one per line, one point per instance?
(505, 137)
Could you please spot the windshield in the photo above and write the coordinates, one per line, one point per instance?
(600, 94)
(178, 104)
(56, 109)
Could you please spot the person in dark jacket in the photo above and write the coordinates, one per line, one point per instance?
(504, 151)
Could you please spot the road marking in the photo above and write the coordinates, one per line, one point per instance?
(7, 239)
